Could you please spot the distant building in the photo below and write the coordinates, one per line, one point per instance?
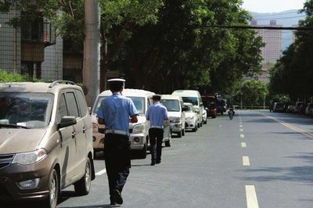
(272, 50)
(23, 49)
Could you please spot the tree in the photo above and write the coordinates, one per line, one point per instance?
(188, 53)
(252, 92)
(293, 74)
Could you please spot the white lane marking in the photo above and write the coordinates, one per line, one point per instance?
(252, 200)
(101, 172)
(245, 161)
(243, 144)
(240, 126)
(242, 136)
(241, 130)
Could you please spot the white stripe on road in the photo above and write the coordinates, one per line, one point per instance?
(241, 130)
(242, 136)
(245, 161)
(252, 200)
(243, 145)
(101, 172)
(240, 126)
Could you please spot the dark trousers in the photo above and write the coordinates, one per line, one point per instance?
(156, 139)
(117, 161)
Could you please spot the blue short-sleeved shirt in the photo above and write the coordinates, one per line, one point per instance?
(156, 114)
(115, 110)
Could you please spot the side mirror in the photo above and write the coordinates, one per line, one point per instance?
(67, 121)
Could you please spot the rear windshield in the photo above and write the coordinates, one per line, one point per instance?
(171, 105)
(32, 110)
(138, 101)
(192, 100)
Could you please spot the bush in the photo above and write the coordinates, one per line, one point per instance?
(11, 77)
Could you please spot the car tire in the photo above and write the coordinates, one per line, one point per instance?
(167, 143)
(179, 134)
(213, 116)
(82, 187)
(205, 121)
(54, 190)
(183, 132)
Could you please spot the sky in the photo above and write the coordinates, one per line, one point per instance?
(265, 6)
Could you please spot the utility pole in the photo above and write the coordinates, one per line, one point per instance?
(91, 65)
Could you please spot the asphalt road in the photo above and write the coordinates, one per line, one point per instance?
(258, 159)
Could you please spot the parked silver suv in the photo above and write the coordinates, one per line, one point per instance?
(45, 141)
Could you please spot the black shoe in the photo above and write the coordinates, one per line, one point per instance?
(118, 197)
(152, 163)
(158, 161)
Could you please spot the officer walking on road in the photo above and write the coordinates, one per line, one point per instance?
(157, 115)
(115, 112)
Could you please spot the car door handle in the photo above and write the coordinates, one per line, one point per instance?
(73, 134)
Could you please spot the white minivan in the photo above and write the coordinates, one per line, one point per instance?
(174, 105)
(139, 132)
(193, 97)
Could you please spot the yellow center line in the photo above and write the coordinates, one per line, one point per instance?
(252, 200)
(292, 127)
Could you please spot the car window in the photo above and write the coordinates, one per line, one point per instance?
(62, 109)
(72, 104)
(82, 103)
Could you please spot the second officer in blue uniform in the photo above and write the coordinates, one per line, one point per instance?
(115, 112)
(157, 115)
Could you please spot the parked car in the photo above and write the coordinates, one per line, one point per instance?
(291, 108)
(300, 107)
(46, 141)
(210, 105)
(193, 97)
(192, 119)
(139, 132)
(174, 105)
(278, 107)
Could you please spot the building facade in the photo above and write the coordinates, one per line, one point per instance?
(272, 50)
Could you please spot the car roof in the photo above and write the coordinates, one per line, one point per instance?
(171, 97)
(193, 93)
(35, 87)
(130, 92)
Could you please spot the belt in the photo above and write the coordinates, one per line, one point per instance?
(156, 127)
(121, 132)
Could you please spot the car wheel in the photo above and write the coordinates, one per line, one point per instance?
(82, 187)
(183, 132)
(179, 134)
(167, 143)
(54, 186)
(205, 121)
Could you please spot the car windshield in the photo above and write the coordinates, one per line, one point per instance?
(193, 100)
(30, 110)
(138, 101)
(171, 105)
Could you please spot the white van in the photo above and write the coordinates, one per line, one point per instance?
(174, 105)
(194, 97)
(139, 132)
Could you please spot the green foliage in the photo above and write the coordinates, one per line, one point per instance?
(183, 51)
(293, 74)
(252, 92)
(11, 77)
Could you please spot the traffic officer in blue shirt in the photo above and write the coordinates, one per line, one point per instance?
(115, 112)
(157, 115)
